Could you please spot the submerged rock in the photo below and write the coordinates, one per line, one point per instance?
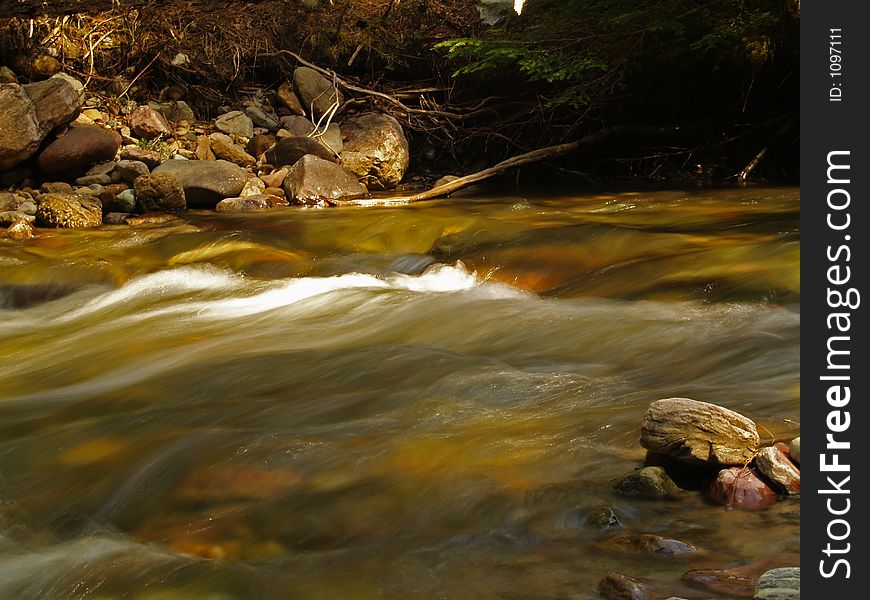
(648, 482)
(655, 544)
(603, 517)
(375, 150)
(722, 581)
(779, 470)
(250, 203)
(698, 432)
(741, 488)
(622, 587)
(68, 210)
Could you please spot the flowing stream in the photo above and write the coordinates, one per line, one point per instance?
(410, 402)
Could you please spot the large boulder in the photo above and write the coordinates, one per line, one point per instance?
(78, 147)
(698, 433)
(28, 113)
(160, 192)
(313, 180)
(289, 150)
(375, 149)
(315, 91)
(206, 182)
(68, 210)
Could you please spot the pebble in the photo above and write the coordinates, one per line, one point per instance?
(648, 482)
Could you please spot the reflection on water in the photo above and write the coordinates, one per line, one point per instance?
(423, 401)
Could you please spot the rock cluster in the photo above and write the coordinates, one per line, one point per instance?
(67, 161)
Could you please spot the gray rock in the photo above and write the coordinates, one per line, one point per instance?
(206, 182)
(375, 149)
(68, 210)
(28, 208)
(649, 482)
(99, 178)
(92, 189)
(315, 91)
(8, 201)
(220, 137)
(174, 111)
(235, 122)
(779, 584)
(331, 138)
(129, 170)
(8, 217)
(30, 112)
(125, 202)
(794, 449)
(779, 470)
(103, 167)
(160, 192)
(313, 180)
(287, 151)
(297, 125)
(261, 119)
(698, 432)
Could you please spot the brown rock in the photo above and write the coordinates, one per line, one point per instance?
(8, 201)
(80, 146)
(290, 149)
(250, 203)
(655, 544)
(622, 587)
(160, 192)
(315, 91)
(648, 482)
(313, 180)
(779, 470)
(275, 178)
(55, 186)
(233, 153)
(698, 432)
(260, 143)
(149, 124)
(297, 125)
(68, 210)
(741, 488)
(203, 148)
(375, 150)
(152, 219)
(288, 98)
(151, 158)
(206, 183)
(21, 230)
(722, 581)
(45, 66)
(277, 192)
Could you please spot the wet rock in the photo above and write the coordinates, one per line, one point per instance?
(290, 149)
(622, 587)
(741, 488)
(275, 178)
(7, 75)
(45, 66)
(778, 470)
(147, 123)
(296, 125)
(794, 450)
(315, 91)
(250, 203)
(779, 584)
(313, 180)
(288, 98)
(8, 217)
(655, 544)
(234, 482)
(686, 476)
(206, 183)
(116, 218)
(722, 581)
(30, 112)
(28, 207)
(160, 192)
(99, 179)
(8, 201)
(80, 146)
(129, 170)
(648, 482)
(124, 202)
(254, 186)
(151, 158)
(603, 518)
(233, 153)
(174, 111)
(153, 219)
(698, 432)
(21, 230)
(260, 143)
(68, 210)
(259, 117)
(236, 123)
(375, 150)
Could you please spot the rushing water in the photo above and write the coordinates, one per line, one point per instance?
(413, 402)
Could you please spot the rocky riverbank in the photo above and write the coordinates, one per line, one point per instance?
(698, 447)
(74, 161)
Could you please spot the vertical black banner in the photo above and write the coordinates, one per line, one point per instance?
(835, 224)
